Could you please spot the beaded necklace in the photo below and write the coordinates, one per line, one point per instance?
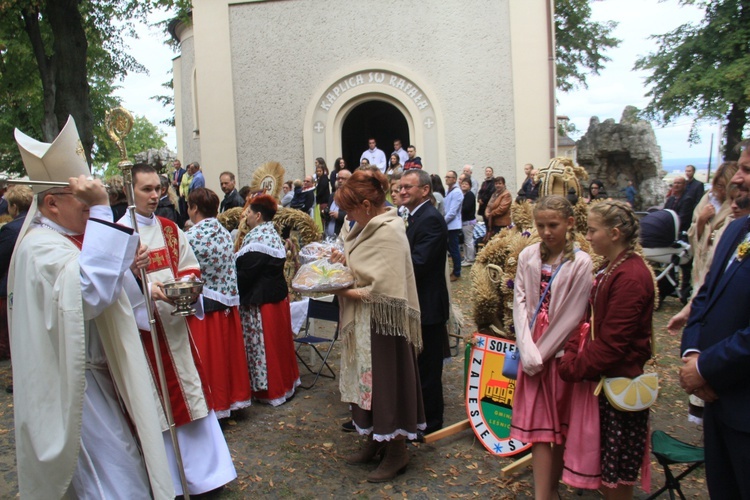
(77, 239)
(601, 279)
(610, 269)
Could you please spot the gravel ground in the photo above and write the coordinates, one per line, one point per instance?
(296, 450)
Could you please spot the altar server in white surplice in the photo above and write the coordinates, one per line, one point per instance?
(78, 363)
(205, 454)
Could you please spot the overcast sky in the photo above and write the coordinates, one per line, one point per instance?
(137, 89)
(616, 87)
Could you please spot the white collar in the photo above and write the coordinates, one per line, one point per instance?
(142, 220)
(41, 220)
(412, 212)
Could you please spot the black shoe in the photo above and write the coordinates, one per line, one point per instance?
(348, 426)
(685, 294)
(9, 389)
(419, 438)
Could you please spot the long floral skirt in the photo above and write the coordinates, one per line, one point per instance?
(396, 399)
(270, 351)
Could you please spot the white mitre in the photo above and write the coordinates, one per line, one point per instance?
(58, 161)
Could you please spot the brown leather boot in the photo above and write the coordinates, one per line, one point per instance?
(368, 452)
(394, 463)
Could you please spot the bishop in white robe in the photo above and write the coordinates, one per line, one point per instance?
(76, 357)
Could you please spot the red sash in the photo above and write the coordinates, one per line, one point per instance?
(169, 255)
(76, 239)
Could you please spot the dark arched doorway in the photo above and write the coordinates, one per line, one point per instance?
(377, 119)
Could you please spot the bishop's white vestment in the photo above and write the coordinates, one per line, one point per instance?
(77, 357)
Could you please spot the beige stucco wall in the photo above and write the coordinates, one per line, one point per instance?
(532, 32)
(264, 65)
(183, 69)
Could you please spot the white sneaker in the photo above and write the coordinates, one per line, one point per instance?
(467, 263)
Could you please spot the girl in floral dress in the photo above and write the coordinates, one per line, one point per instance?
(218, 336)
(264, 306)
(540, 406)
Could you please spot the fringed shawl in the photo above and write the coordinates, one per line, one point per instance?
(380, 260)
(379, 257)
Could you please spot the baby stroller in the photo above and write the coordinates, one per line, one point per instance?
(664, 247)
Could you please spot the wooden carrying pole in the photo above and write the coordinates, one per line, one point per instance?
(119, 123)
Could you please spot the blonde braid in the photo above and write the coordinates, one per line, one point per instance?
(620, 215)
(570, 245)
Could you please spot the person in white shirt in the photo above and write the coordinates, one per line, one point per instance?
(374, 155)
(399, 150)
(86, 422)
(205, 455)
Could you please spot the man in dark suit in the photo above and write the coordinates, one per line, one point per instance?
(427, 233)
(683, 204)
(693, 187)
(716, 355)
(232, 199)
(3, 201)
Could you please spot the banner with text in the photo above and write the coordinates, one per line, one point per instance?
(489, 395)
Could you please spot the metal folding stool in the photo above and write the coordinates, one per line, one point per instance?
(327, 311)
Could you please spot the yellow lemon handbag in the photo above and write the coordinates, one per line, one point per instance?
(630, 394)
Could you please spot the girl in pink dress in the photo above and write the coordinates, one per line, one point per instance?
(543, 323)
(622, 306)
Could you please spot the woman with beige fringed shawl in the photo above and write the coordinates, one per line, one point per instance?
(380, 326)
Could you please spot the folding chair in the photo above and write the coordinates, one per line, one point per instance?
(670, 451)
(328, 311)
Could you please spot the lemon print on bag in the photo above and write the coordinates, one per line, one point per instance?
(632, 394)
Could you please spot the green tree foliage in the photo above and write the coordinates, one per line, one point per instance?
(60, 58)
(145, 135)
(702, 71)
(580, 43)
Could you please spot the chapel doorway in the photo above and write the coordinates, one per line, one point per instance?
(378, 119)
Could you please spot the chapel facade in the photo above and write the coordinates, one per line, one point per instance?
(464, 81)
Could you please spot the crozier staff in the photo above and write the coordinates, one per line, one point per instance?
(76, 362)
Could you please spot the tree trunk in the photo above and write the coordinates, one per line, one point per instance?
(70, 49)
(46, 66)
(736, 121)
(737, 117)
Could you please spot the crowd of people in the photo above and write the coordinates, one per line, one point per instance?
(401, 231)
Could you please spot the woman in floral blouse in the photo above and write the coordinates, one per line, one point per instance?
(218, 336)
(264, 306)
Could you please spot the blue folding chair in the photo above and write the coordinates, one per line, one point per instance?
(327, 311)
